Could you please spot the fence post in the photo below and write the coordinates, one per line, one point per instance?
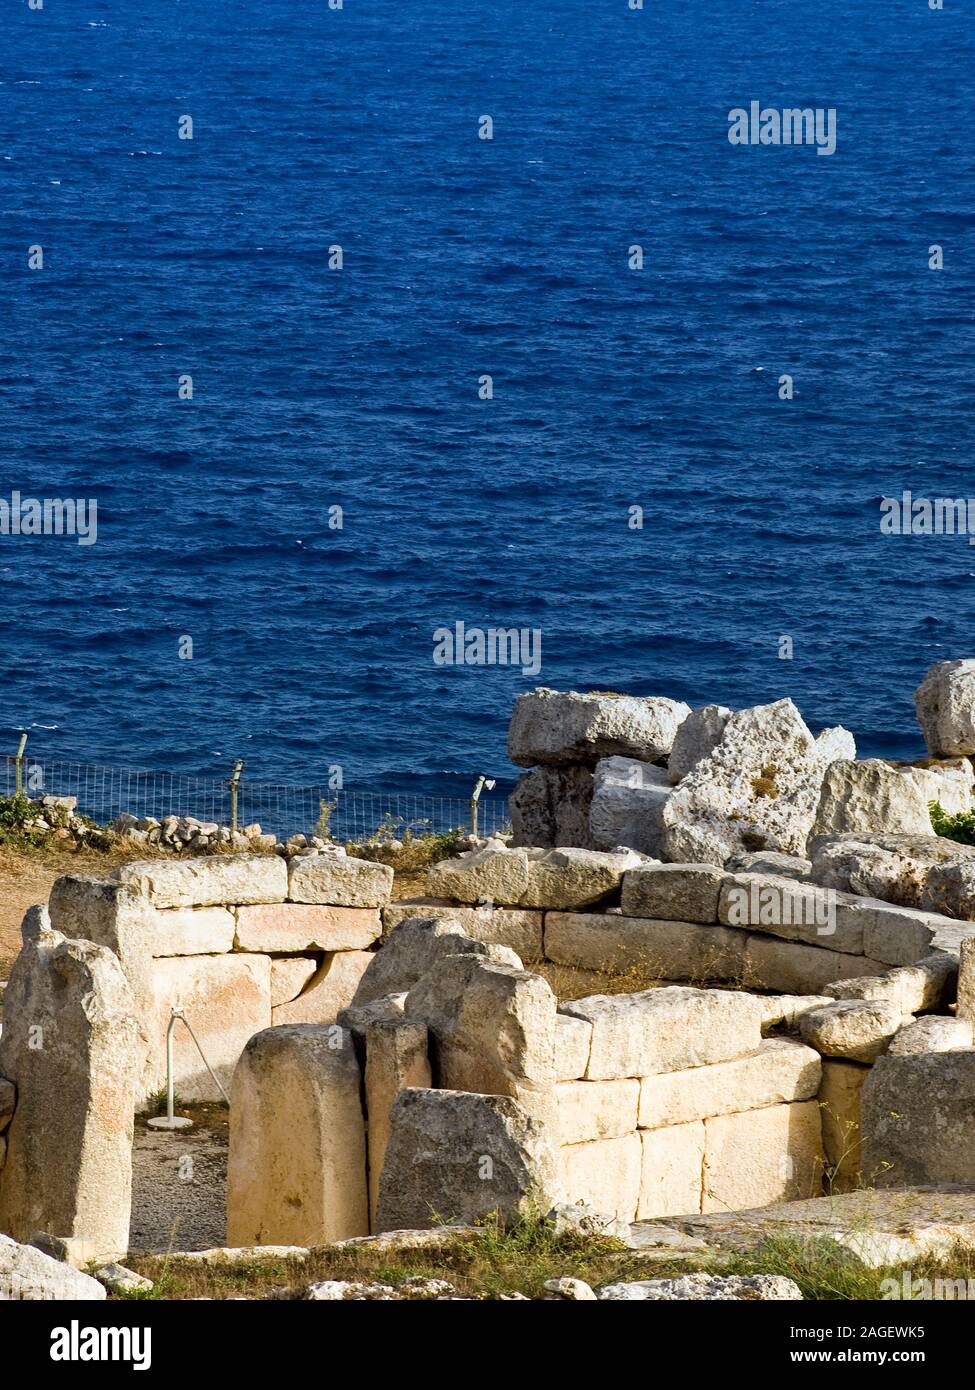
(481, 783)
(233, 784)
(19, 766)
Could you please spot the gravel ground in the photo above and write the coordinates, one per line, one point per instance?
(179, 1183)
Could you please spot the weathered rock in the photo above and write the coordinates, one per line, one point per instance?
(413, 949)
(771, 862)
(912, 988)
(839, 1106)
(559, 727)
(675, 892)
(873, 796)
(795, 968)
(71, 1044)
(8, 1098)
(296, 1172)
(28, 1275)
(288, 928)
(672, 1162)
(573, 1038)
(949, 889)
(741, 1288)
(604, 1173)
(117, 1279)
(793, 911)
(668, 1029)
(463, 1156)
(696, 738)
(587, 1110)
(643, 947)
(889, 867)
(339, 880)
(209, 882)
(857, 1029)
(779, 1072)
(493, 1028)
(966, 979)
(487, 875)
(572, 878)
(945, 705)
(331, 989)
(785, 1010)
(397, 1056)
(761, 1156)
(188, 931)
(575, 1290)
(520, 928)
(627, 806)
(226, 1000)
(550, 807)
(289, 975)
(358, 1017)
(917, 1115)
(931, 1035)
(758, 789)
(414, 1289)
(580, 1219)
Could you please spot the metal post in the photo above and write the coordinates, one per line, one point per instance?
(233, 784)
(481, 783)
(19, 765)
(171, 1121)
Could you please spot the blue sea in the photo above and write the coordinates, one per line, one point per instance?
(613, 388)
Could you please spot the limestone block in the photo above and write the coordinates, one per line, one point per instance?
(189, 931)
(857, 1029)
(519, 928)
(795, 968)
(668, 1029)
(648, 947)
(672, 1164)
(604, 1173)
(785, 1010)
(573, 1038)
(459, 1157)
(779, 1072)
(673, 892)
(339, 880)
(587, 1110)
(627, 804)
(485, 875)
(945, 705)
(550, 806)
(913, 988)
(226, 999)
(288, 928)
(574, 878)
(411, 950)
(873, 796)
(696, 738)
(917, 1116)
(28, 1275)
(839, 1104)
(897, 935)
(563, 727)
(331, 989)
(793, 911)
(71, 1046)
(296, 1172)
(932, 1035)
(762, 1156)
(397, 1056)
(289, 975)
(966, 979)
(215, 880)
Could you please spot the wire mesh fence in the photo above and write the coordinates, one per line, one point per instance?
(283, 809)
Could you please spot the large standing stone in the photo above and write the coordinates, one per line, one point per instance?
(696, 738)
(217, 879)
(758, 789)
(297, 1168)
(397, 1056)
(550, 806)
(27, 1274)
(573, 1038)
(411, 950)
(71, 1045)
(453, 1156)
(493, 1028)
(945, 705)
(331, 989)
(763, 1156)
(288, 928)
(917, 1115)
(781, 1071)
(669, 1029)
(628, 799)
(226, 1000)
(339, 880)
(558, 727)
(966, 979)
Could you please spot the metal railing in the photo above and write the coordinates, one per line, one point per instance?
(283, 809)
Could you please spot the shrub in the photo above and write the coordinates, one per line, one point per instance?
(960, 827)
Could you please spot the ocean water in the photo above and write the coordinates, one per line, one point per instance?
(613, 388)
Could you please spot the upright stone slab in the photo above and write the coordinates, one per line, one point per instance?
(839, 1105)
(917, 1117)
(453, 1156)
(397, 1057)
(628, 799)
(70, 1044)
(297, 1168)
(661, 1030)
(550, 806)
(966, 979)
(763, 1156)
(673, 1161)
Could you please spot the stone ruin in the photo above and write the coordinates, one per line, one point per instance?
(797, 1022)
